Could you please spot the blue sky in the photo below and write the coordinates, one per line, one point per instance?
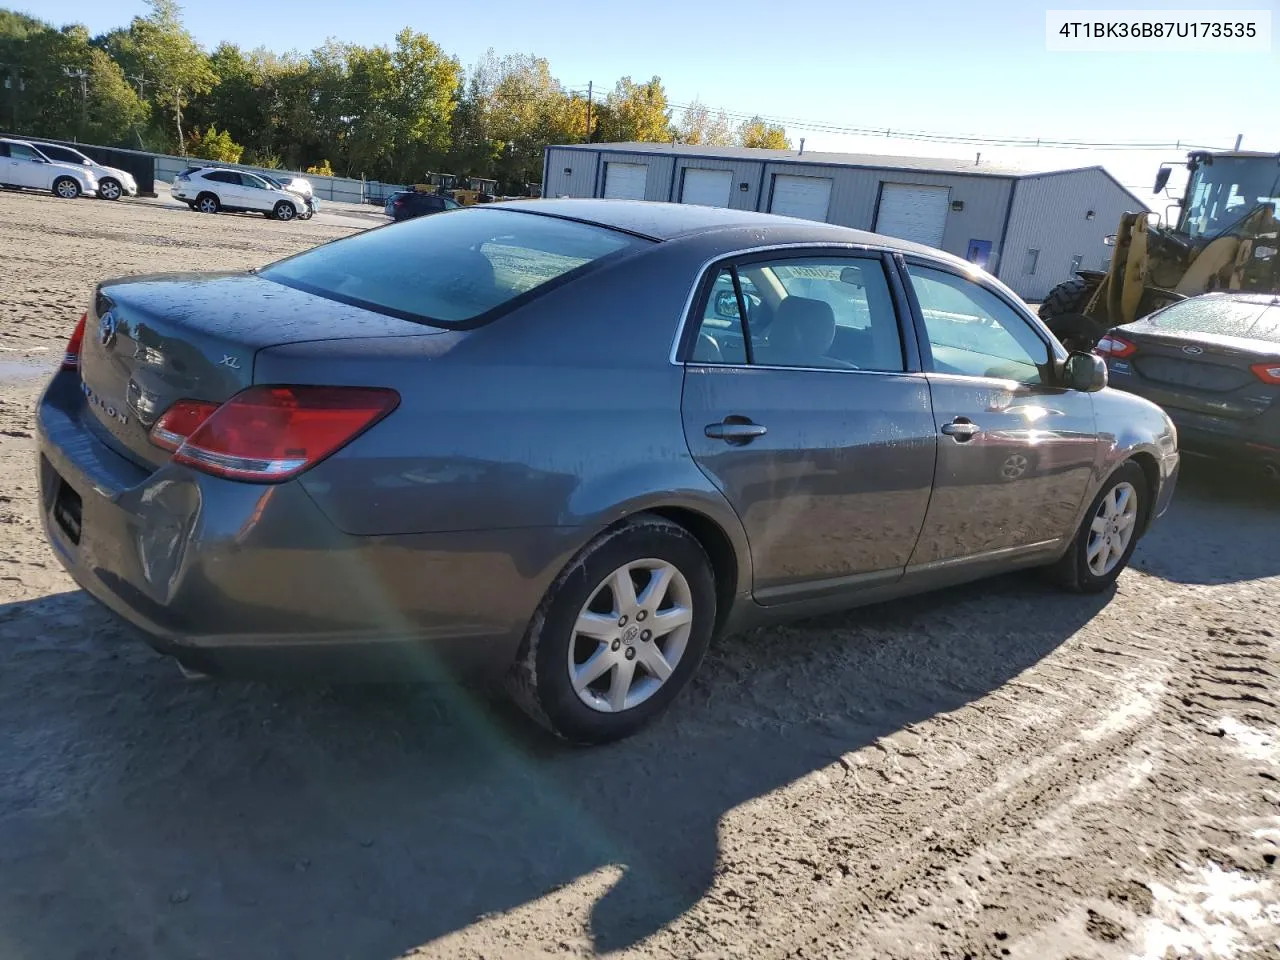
(931, 65)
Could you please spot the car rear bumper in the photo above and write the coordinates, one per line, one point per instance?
(253, 580)
(1256, 438)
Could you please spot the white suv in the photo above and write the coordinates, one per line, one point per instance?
(113, 183)
(22, 165)
(211, 189)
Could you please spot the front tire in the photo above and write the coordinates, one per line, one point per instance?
(619, 634)
(110, 189)
(1070, 296)
(1105, 541)
(284, 211)
(66, 188)
(207, 203)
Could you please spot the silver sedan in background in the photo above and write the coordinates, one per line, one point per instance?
(569, 441)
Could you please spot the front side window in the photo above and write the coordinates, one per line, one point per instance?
(831, 313)
(64, 155)
(974, 333)
(249, 180)
(448, 271)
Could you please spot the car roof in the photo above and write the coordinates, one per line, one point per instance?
(1244, 296)
(669, 221)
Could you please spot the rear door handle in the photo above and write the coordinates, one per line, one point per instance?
(961, 429)
(736, 430)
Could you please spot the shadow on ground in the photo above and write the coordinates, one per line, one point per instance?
(1223, 527)
(142, 815)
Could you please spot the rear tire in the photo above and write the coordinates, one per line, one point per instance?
(207, 203)
(1120, 506)
(572, 630)
(66, 188)
(1070, 296)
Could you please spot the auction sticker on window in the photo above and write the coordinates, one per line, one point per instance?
(1158, 31)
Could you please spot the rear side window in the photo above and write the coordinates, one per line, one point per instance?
(1225, 318)
(451, 270)
(824, 313)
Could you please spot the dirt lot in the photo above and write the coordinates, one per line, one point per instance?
(998, 771)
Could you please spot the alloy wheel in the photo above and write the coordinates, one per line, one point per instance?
(207, 205)
(630, 635)
(67, 189)
(1112, 529)
(110, 190)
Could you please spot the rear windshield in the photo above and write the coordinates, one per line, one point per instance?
(451, 268)
(1225, 318)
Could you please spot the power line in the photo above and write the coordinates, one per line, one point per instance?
(921, 135)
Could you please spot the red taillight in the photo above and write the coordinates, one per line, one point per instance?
(268, 434)
(1268, 372)
(179, 422)
(71, 359)
(1115, 346)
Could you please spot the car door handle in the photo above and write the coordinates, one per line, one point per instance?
(961, 429)
(737, 430)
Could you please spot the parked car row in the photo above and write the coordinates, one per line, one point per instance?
(63, 171)
(214, 189)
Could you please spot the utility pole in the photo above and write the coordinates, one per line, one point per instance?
(1239, 140)
(83, 77)
(589, 102)
(15, 84)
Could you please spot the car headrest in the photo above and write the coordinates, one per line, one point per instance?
(803, 330)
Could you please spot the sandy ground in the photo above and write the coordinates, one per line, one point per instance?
(998, 771)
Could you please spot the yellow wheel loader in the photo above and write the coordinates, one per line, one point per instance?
(1225, 238)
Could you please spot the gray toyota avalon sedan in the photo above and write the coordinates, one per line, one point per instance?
(570, 441)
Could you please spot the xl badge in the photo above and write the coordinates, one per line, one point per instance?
(107, 329)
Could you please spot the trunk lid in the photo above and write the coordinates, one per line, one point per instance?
(150, 341)
(1204, 372)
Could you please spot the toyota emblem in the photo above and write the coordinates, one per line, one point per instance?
(1193, 350)
(107, 329)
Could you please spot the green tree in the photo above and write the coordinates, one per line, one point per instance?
(215, 145)
(698, 125)
(169, 57)
(59, 85)
(757, 133)
(634, 112)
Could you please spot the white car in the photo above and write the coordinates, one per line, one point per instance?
(211, 189)
(298, 185)
(113, 183)
(22, 165)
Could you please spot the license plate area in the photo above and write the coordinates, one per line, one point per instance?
(66, 511)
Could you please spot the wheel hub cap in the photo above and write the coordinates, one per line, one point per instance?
(614, 663)
(1111, 529)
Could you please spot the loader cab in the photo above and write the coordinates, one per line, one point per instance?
(1225, 188)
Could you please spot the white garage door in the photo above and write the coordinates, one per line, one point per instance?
(710, 188)
(805, 197)
(625, 181)
(913, 212)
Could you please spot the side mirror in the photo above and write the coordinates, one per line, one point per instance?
(1086, 372)
(726, 305)
(1162, 179)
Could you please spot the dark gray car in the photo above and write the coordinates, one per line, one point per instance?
(1212, 362)
(538, 439)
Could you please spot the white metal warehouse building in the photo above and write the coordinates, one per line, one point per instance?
(1032, 229)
